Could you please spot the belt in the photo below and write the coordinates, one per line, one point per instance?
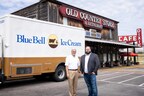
(88, 73)
(73, 69)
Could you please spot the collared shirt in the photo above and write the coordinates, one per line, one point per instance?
(86, 63)
(72, 62)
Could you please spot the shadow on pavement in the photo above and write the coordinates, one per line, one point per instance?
(24, 82)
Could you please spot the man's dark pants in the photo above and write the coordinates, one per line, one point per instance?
(90, 80)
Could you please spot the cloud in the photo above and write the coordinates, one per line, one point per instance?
(9, 6)
(15, 3)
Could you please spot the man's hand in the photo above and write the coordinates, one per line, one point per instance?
(93, 72)
(67, 75)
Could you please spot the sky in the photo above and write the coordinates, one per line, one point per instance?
(129, 13)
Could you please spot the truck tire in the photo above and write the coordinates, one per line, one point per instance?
(60, 74)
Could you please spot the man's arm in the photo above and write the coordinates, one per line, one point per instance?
(81, 65)
(67, 71)
(66, 66)
(78, 61)
(97, 62)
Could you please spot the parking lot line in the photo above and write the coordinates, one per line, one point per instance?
(141, 84)
(130, 79)
(101, 73)
(117, 76)
(131, 85)
(108, 74)
(121, 83)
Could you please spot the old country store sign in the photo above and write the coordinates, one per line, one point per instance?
(89, 20)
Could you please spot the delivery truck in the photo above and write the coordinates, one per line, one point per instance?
(35, 48)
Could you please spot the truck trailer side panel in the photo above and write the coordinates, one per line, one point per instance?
(33, 47)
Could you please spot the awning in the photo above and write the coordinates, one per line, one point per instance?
(128, 54)
(121, 45)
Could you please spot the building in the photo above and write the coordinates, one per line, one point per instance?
(101, 32)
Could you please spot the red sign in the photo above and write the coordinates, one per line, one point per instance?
(88, 19)
(139, 36)
(132, 38)
(128, 38)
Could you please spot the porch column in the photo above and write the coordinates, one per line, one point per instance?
(127, 57)
(134, 52)
(111, 57)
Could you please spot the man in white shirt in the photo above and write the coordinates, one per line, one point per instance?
(72, 68)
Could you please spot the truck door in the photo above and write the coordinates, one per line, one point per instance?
(1, 60)
(2, 26)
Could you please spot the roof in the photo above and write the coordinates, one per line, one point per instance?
(121, 45)
(62, 3)
(59, 2)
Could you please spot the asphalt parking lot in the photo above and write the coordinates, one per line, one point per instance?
(119, 81)
(122, 82)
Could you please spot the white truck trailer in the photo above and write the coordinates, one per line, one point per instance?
(30, 47)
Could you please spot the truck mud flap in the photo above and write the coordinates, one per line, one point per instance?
(1, 78)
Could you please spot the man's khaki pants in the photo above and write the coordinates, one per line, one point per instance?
(72, 80)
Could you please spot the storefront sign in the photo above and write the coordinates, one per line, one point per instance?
(130, 38)
(139, 36)
(92, 25)
(89, 20)
(133, 38)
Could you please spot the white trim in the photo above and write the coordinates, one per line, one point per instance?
(25, 65)
(109, 42)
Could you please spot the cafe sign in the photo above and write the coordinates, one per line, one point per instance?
(89, 20)
(133, 38)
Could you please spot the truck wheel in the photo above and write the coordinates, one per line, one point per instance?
(60, 73)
